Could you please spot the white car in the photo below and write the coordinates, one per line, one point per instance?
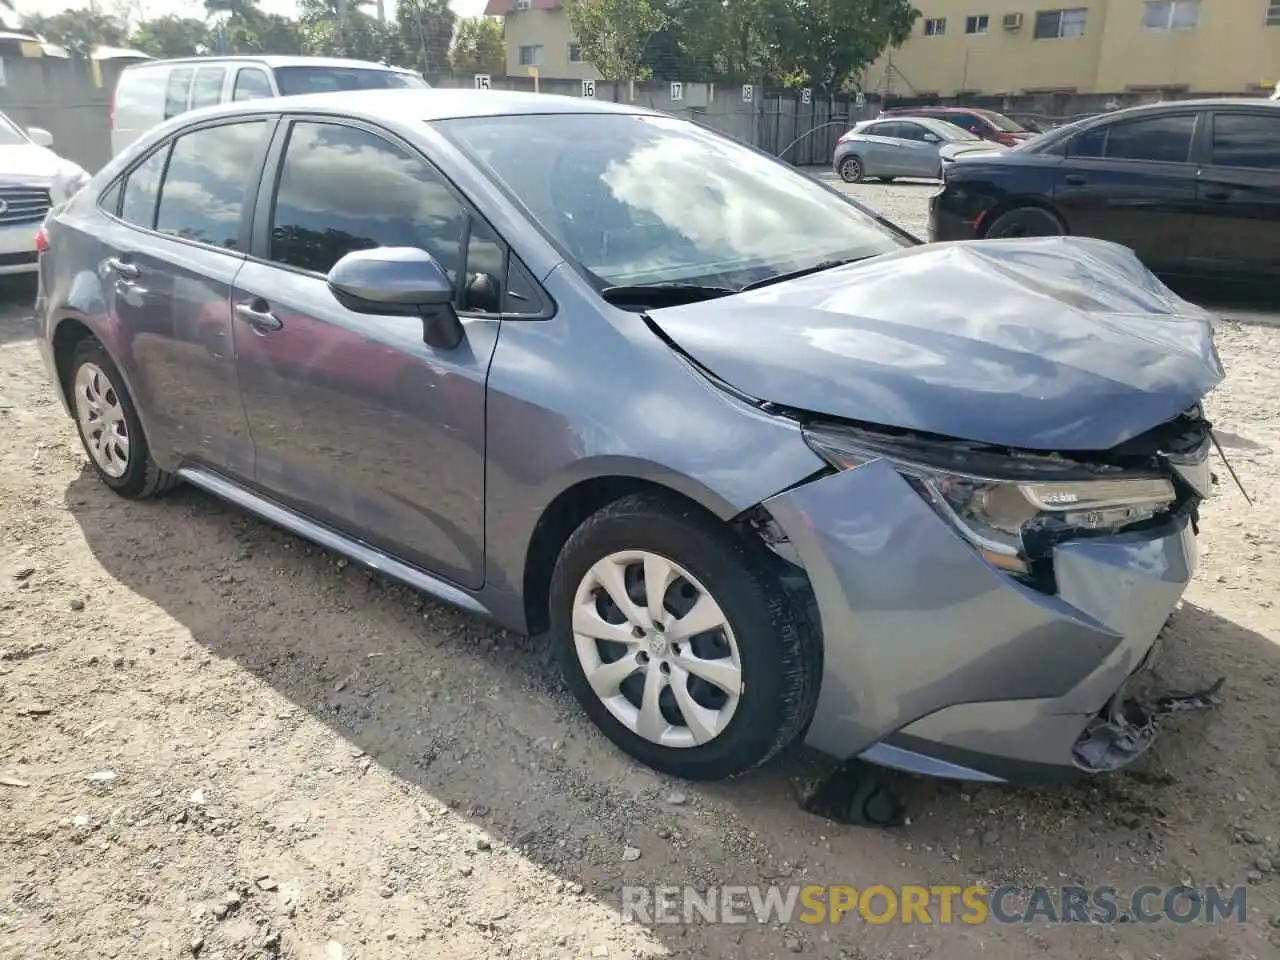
(33, 179)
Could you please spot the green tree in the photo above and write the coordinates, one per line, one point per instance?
(425, 29)
(86, 27)
(734, 41)
(614, 33)
(823, 44)
(478, 48)
(359, 36)
(237, 8)
(171, 36)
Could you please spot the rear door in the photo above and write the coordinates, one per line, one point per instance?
(1237, 220)
(883, 148)
(1133, 182)
(357, 422)
(174, 243)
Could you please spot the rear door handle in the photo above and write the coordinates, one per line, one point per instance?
(262, 321)
(1217, 194)
(124, 269)
(1074, 180)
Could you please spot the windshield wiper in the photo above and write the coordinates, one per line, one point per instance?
(664, 294)
(803, 272)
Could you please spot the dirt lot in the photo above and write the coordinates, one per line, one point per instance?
(217, 739)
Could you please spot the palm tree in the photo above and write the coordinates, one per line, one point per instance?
(237, 8)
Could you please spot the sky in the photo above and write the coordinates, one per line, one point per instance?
(195, 8)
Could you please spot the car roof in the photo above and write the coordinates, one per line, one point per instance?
(273, 60)
(429, 104)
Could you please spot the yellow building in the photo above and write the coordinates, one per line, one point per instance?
(1097, 46)
(538, 36)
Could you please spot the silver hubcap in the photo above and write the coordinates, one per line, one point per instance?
(101, 419)
(657, 649)
(851, 169)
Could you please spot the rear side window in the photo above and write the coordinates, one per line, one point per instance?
(204, 189)
(142, 190)
(1248, 140)
(890, 129)
(1160, 139)
(207, 89)
(177, 91)
(251, 84)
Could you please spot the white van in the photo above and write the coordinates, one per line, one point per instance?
(151, 92)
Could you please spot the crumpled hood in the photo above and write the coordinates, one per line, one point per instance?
(1054, 343)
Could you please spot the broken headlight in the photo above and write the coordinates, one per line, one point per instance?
(1009, 507)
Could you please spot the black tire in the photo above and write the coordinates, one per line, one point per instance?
(851, 170)
(886, 179)
(779, 645)
(1025, 222)
(141, 479)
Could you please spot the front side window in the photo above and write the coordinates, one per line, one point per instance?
(1249, 140)
(142, 190)
(203, 194)
(1090, 144)
(530, 56)
(177, 91)
(976, 24)
(1171, 14)
(935, 27)
(294, 81)
(646, 199)
(1001, 122)
(388, 199)
(207, 89)
(911, 131)
(1162, 139)
(1060, 24)
(251, 84)
(11, 135)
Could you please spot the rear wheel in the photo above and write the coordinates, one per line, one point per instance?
(851, 170)
(1025, 222)
(679, 642)
(109, 426)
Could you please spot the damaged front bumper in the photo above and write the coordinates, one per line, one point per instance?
(938, 663)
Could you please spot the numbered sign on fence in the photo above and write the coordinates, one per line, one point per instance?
(859, 99)
(482, 81)
(806, 95)
(588, 88)
(748, 93)
(677, 90)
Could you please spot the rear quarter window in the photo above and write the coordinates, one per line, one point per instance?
(177, 91)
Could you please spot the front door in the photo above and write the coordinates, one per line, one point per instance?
(1237, 221)
(1133, 183)
(919, 152)
(172, 249)
(356, 421)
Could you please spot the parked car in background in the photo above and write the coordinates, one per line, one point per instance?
(1192, 186)
(32, 179)
(152, 91)
(886, 149)
(986, 124)
(762, 465)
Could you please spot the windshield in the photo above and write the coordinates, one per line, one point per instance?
(1001, 122)
(294, 81)
(949, 131)
(10, 134)
(643, 199)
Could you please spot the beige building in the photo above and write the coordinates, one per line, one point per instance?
(538, 37)
(1095, 46)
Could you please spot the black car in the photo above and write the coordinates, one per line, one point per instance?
(1193, 187)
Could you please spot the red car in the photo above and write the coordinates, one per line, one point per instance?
(986, 124)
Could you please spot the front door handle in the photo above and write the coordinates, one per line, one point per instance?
(124, 269)
(262, 321)
(1217, 194)
(1074, 180)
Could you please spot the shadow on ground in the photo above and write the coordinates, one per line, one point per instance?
(476, 717)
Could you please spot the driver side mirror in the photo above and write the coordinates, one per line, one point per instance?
(40, 136)
(399, 281)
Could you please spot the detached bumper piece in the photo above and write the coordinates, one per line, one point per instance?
(1127, 726)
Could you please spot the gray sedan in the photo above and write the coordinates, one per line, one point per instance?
(895, 147)
(760, 465)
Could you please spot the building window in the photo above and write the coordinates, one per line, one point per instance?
(935, 27)
(1273, 13)
(531, 56)
(1171, 14)
(1060, 24)
(523, 4)
(575, 53)
(976, 24)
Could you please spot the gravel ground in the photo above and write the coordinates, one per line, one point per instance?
(216, 739)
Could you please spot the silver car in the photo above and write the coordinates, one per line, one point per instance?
(760, 465)
(901, 147)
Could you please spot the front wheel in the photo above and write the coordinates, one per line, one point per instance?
(678, 640)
